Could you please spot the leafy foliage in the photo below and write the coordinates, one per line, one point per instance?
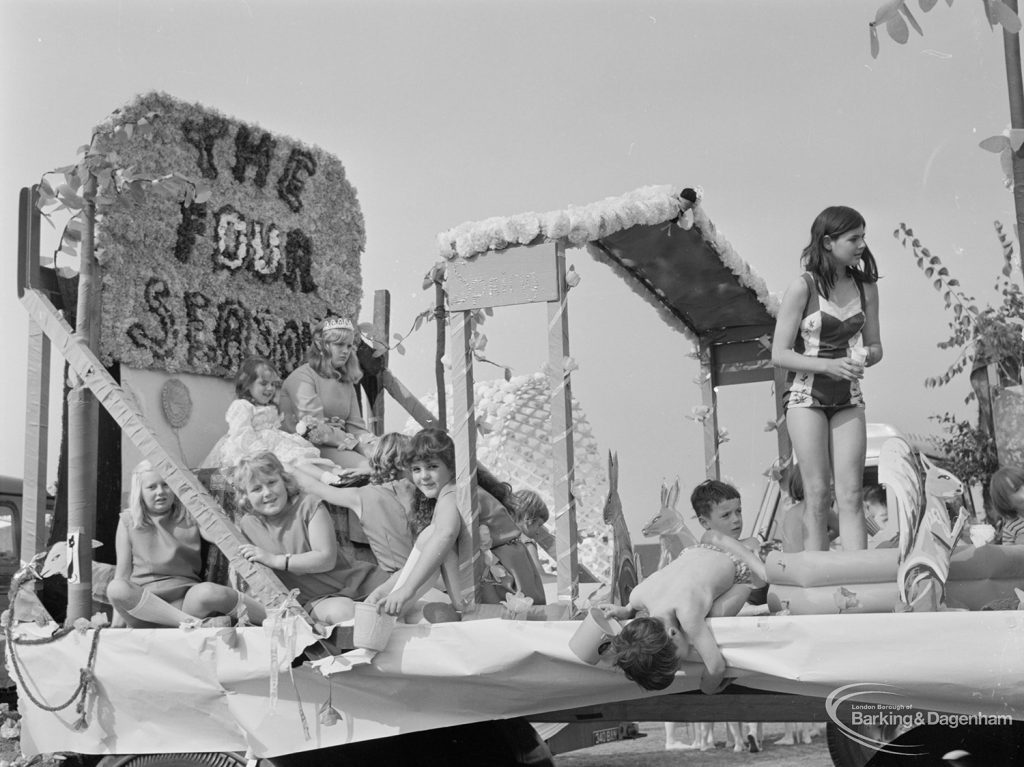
(970, 450)
(982, 335)
(895, 16)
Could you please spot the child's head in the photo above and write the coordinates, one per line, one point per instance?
(257, 381)
(876, 503)
(1006, 488)
(430, 461)
(388, 460)
(837, 235)
(648, 653)
(332, 353)
(262, 485)
(718, 507)
(150, 495)
(529, 511)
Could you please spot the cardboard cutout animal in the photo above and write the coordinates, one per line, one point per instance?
(624, 561)
(670, 527)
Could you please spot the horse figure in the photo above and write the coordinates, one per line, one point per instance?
(624, 561)
(670, 527)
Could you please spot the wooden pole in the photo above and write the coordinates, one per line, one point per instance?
(439, 318)
(463, 433)
(83, 421)
(37, 410)
(563, 460)
(712, 465)
(1015, 92)
(781, 427)
(382, 331)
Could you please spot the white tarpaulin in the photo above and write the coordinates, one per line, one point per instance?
(173, 690)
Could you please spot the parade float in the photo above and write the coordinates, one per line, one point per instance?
(195, 279)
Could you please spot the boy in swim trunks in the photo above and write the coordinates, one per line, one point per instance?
(713, 578)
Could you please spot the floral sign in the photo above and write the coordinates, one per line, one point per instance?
(196, 285)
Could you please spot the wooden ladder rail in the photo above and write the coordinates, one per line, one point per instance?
(212, 520)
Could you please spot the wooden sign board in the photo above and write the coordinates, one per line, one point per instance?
(522, 275)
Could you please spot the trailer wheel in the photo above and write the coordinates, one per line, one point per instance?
(221, 759)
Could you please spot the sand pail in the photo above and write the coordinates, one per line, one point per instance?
(593, 636)
(372, 629)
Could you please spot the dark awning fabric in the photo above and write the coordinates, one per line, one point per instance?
(682, 271)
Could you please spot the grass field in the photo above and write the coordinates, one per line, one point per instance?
(650, 751)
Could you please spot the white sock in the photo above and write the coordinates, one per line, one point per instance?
(329, 477)
(153, 609)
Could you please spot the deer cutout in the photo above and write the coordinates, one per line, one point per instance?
(624, 562)
(939, 483)
(670, 527)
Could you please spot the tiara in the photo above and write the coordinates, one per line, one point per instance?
(337, 323)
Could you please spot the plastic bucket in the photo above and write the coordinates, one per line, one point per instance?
(593, 636)
(372, 629)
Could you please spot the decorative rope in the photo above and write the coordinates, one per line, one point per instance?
(86, 676)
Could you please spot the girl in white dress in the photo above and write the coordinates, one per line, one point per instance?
(254, 426)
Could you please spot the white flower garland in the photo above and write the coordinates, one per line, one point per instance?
(579, 226)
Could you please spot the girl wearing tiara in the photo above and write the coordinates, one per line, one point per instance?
(254, 426)
(320, 395)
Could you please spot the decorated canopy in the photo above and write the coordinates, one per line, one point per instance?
(660, 240)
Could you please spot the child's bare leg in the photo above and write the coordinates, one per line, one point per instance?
(735, 734)
(208, 598)
(141, 608)
(731, 602)
(333, 610)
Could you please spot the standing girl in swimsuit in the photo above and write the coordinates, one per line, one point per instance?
(826, 333)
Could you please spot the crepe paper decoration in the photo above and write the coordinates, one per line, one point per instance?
(518, 605)
(845, 599)
(229, 636)
(327, 714)
(337, 664)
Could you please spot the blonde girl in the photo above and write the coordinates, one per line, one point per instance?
(157, 578)
(321, 396)
(292, 533)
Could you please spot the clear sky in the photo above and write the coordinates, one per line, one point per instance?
(445, 111)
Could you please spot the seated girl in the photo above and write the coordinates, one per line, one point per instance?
(393, 512)
(156, 581)
(293, 534)
(254, 426)
(431, 464)
(384, 507)
(712, 579)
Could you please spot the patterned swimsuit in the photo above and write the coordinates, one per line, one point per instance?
(827, 331)
(741, 569)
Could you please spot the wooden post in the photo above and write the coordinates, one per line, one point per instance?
(563, 460)
(712, 465)
(463, 433)
(37, 411)
(439, 318)
(382, 331)
(781, 427)
(83, 420)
